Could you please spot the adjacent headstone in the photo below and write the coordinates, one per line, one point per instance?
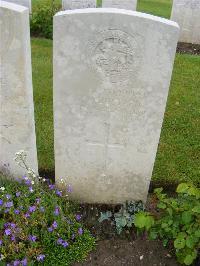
(123, 4)
(112, 71)
(78, 4)
(17, 128)
(187, 14)
(26, 3)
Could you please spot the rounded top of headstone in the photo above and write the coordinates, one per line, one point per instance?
(117, 11)
(12, 6)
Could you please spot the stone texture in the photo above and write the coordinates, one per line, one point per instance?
(78, 4)
(25, 3)
(17, 128)
(112, 71)
(187, 14)
(124, 4)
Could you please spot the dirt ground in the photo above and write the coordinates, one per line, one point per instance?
(188, 48)
(117, 252)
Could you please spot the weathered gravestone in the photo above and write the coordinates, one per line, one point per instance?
(124, 4)
(112, 71)
(17, 129)
(78, 4)
(187, 14)
(26, 3)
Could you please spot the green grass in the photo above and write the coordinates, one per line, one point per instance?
(160, 8)
(179, 149)
(43, 97)
(156, 7)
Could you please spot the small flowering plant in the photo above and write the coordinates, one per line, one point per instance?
(38, 224)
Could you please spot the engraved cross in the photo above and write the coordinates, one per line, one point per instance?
(106, 144)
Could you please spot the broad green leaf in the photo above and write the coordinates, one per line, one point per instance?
(186, 217)
(179, 243)
(153, 235)
(197, 233)
(161, 205)
(182, 188)
(170, 211)
(190, 241)
(188, 260)
(105, 216)
(143, 220)
(196, 209)
(181, 235)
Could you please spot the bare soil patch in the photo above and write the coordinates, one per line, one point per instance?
(188, 48)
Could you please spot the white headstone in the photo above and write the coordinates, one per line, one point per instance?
(112, 71)
(187, 14)
(17, 128)
(123, 4)
(78, 4)
(26, 3)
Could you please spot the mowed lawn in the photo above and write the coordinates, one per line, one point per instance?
(179, 149)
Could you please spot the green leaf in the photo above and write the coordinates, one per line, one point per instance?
(179, 243)
(161, 205)
(182, 188)
(196, 209)
(181, 235)
(191, 241)
(105, 216)
(143, 220)
(186, 217)
(197, 233)
(170, 211)
(153, 235)
(188, 260)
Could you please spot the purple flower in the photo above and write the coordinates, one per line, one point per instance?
(13, 225)
(59, 241)
(27, 215)
(40, 257)
(1, 202)
(65, 244)
(6, 210)
(32, 208)
(31, 189)
(8, 196)
(78, 217)
(18, 194)
(73, 236)
(16, 211)
(50, 229)
(24, 262)
(57, 211)
(32, 238)
(42, 209)
(12, 238)
(58, 193)
(69, 189)
(28, 182)
(16, 263)
(9, 204)
(54, 225)
(51, 187)
(38, 200)
(7, 232)
(1, 242)
(80, 231)
(6, 225)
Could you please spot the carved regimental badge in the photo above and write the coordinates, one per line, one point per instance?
(114, 55)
